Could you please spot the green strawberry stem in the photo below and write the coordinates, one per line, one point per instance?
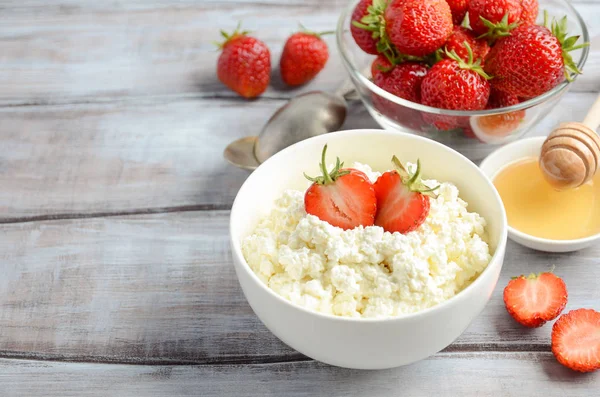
(497, 30)
(317, 34)
(559, 30)
(413, 182)
(434, 57)
(384, 69)
(534, 276)
(229, 36)
(469, 64)
(374, 22)
(328, 178)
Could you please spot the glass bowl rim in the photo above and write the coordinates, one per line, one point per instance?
(355, 74)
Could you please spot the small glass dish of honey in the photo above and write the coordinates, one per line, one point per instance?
(540, 217)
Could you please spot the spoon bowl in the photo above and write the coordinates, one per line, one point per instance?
(304, 116)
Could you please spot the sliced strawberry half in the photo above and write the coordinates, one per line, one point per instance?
(343, 197)
(576, 340)
(402, 199)
(532, 300)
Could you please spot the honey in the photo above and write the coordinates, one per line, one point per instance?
(535, 208)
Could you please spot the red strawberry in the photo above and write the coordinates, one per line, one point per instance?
(380, 65)
(457, 41)
(363, 36)
(393, 5)
(304, 56)
(458, 9)
(494, 18)
(445, 123)
(456, 84)
(499, 99)
(419, 27)
(530, 11)
(532, 60)
(535, 299)
(403, 80)
(402, 199)
(244, 64)
(576, 340)
(468, 133)
(343, 197)
(499, 125)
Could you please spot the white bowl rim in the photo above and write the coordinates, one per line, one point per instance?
(528, 237)
(500, 248)
(551, 94)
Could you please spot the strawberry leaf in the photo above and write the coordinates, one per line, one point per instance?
(469, 64)
(413, 181)
(229, 36)
(466, 22)
(498, 29)
(568, 44)
(328, 177)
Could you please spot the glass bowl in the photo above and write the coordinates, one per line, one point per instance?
(473, 131)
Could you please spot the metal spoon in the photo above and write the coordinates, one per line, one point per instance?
(304, 116)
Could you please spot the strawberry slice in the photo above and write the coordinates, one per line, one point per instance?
(532, 300)
(576, 340)
(343, 197)
(402, 199)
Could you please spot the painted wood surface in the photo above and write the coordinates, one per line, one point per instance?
(147, 155)
(116, 270)
(161, 289)
(81, 51)
(464, 374)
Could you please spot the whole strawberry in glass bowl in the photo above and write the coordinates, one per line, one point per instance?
(470, 73)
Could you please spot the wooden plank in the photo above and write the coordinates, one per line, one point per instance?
(144, 154)
(496, 374)
(79, 51)
(152, 288)
(147, 155)
(161, 289)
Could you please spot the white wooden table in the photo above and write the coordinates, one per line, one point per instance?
(116, 274)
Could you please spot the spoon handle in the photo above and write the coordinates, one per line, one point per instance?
(592, 119)
(347, 90)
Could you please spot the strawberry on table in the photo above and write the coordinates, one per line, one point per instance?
(244, 64)
(418, 27)
(494, 18)
(341, 197)
(533, 59)
(304, 56)
(532, 300)
(403, 80)
(576, 340)
(456, 84)
(457, 41)
(402, 199)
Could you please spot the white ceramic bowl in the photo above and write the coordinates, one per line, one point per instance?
(366, 343)
(495, 162)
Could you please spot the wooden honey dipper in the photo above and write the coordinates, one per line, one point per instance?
(570, 155)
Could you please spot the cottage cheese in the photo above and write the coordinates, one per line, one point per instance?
(366, 272)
